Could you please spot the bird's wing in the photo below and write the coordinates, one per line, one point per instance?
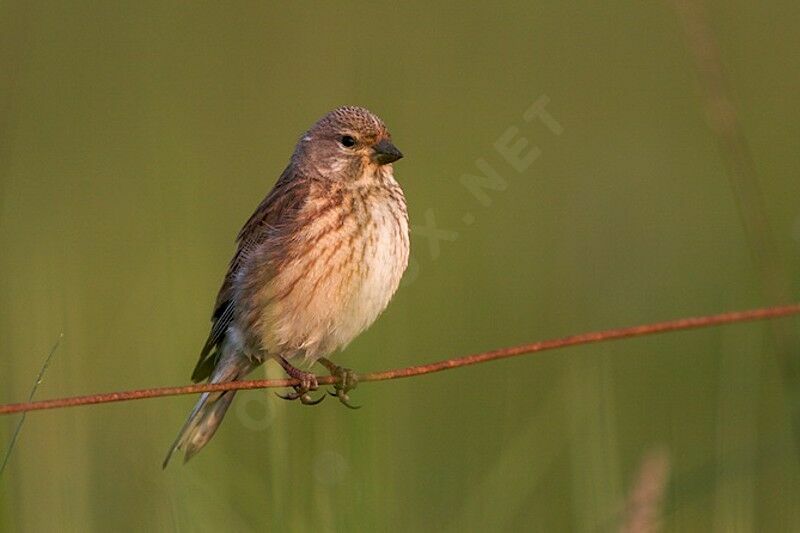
(287, 195)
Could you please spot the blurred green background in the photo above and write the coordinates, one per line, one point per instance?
(137, 137)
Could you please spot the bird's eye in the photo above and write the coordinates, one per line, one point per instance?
(347, 141)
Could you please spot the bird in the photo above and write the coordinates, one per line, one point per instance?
(315, 265)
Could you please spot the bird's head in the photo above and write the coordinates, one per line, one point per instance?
(347, 141)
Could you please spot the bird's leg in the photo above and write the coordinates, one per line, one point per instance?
(346, 381)
(308, 382)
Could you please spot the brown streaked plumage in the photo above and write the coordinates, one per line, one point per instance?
(315, 265)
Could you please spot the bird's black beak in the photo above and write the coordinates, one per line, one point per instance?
(386, 152)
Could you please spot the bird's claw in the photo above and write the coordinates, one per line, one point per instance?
(304, 397)
(344, 398)
(308, 383)
(346, 381)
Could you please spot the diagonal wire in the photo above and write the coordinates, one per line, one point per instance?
(592, 337)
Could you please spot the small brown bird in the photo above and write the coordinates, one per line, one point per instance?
(315, 265)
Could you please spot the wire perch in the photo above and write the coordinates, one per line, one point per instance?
(418, 370)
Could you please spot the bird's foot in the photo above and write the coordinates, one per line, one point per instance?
(308, 383)
(346, 380)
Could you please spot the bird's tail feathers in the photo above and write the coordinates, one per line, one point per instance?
(209, 410)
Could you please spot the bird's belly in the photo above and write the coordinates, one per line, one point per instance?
(339, 294)
(380, 271)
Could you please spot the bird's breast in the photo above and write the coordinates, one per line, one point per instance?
(343, 267)
(384, 259)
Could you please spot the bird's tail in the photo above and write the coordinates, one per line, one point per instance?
(209, 410)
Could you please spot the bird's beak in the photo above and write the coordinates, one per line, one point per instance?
(386, 152)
